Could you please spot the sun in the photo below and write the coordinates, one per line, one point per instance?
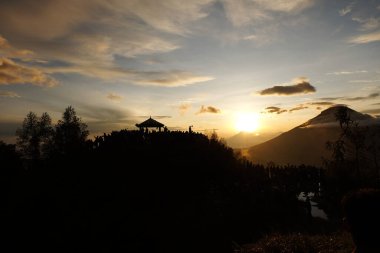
(247, 122)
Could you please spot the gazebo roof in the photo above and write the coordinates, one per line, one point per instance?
(150, 123)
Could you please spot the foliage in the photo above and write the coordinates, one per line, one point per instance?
(70, 132)
(34, 134)
(301, 243)
(354, 162)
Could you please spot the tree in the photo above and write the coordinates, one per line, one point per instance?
(34, 135)
(70, 132)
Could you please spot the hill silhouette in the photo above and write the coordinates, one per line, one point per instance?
(306, 144)
(155, 192)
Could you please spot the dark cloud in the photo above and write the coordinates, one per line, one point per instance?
(331, 98)
(322, 103)
(297, 108)
(274, 109)
(300, 87)
(114, 97)
(208, 109)
(370, 96)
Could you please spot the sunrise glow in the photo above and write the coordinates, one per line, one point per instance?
(247, 122)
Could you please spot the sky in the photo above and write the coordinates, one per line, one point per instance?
(228, 65)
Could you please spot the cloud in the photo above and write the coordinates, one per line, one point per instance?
(208, 109)
(367, 24)
(9, 94)
(118, 27)
(301, 86)
(372, 111)
(173, 78)
(183, 108)
(245, 12)
(14, 73)
(370, 96)
(297, 108)
(274, 109)
(115, 97)
(364, 81)
(331, 98)
(322, 103)
(95, 113)
(365, 38)
(346, 9)
(338, 73)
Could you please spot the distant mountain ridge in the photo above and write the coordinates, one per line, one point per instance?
(246, 139)
(328, 116)
(305, 144)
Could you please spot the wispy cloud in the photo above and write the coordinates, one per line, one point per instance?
(208, 109)
(365, 38)
(118, 28)
(301, 86)
(367, 24)
(338, 73)
(346, 9)
(8, 51)
(14, 73)
(9, 94)
(115, 97)
(95, 113)
(331, 98)
(319, 105)
(170, 78)
(275, 109)
(297, 108)
(372, 111)
(245, 12)
(364, 81)
(174, 17)
(322, 103)
(183, 108)
(370, 96)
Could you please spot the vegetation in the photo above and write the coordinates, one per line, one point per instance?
(354, 163)
(300, 243)
(156, 192)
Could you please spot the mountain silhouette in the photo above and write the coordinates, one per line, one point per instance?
(246, 139)
(305, 144)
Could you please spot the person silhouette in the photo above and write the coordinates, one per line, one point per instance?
(361, 210)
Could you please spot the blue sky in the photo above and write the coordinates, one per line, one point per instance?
(201, 62)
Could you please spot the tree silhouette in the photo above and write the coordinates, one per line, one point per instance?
(70, 132)
(34, 134)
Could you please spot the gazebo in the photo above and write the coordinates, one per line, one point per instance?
(150, 123)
